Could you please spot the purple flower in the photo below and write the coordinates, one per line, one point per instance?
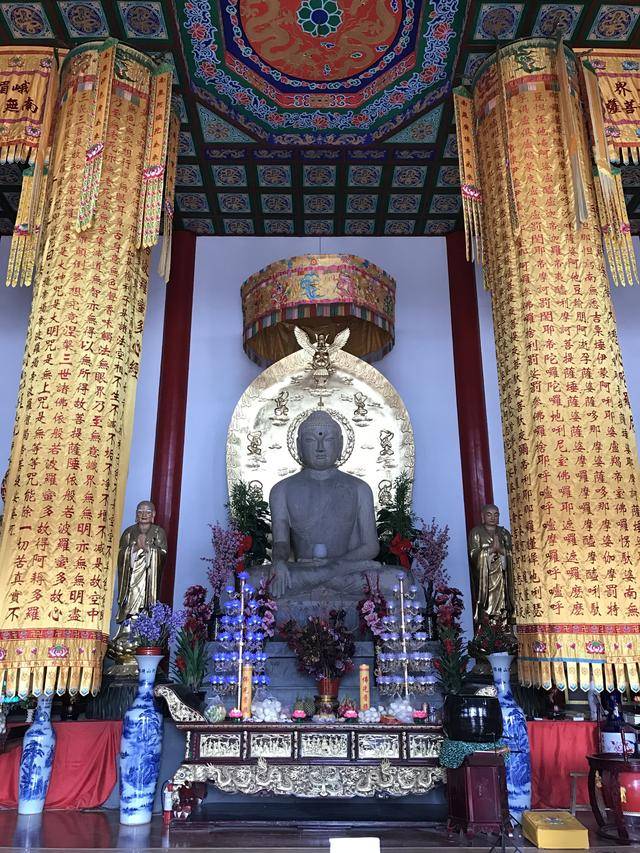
(158, 626)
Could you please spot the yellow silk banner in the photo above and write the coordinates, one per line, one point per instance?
(618, 73)
(70, 452)
(570, 448)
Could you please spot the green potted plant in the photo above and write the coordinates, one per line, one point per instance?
(396, 525)
(249, 513)
(189, 666)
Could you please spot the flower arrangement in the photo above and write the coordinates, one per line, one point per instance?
(323, 645)
(156, 627)
(267, 606)
(372, 608)
(430, 549)
(451, 665)
(190, 662)
(249, 513)
(396, 525)
(492, 635)
(229, 547)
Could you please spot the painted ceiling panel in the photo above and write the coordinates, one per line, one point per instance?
(316, 117)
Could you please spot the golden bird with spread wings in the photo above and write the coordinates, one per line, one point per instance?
(321, 351)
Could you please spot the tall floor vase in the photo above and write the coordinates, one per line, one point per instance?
(37, 760)
(140, 748)
(515, 734)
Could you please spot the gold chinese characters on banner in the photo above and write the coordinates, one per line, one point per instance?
(570, 448)
(66, 480)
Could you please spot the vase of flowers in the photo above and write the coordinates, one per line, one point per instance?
(37, 760)
(465, 717)
(324, 647)
(141, 742)
(190, 662)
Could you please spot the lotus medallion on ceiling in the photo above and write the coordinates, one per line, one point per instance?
(329, 71)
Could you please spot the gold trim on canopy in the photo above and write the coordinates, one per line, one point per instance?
(322, 294)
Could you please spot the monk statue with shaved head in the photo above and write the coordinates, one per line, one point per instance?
(141, 554)
(323, 522)
(490, 556)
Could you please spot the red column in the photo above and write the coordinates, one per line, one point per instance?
(166, 483)
(467, 359)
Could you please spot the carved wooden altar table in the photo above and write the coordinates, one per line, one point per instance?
(304, 759)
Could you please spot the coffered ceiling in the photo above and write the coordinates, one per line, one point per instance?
(316, 117)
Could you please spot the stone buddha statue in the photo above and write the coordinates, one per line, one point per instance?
(323, 522)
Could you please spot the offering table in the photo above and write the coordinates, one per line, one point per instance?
(302, 759)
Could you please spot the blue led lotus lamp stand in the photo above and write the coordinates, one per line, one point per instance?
(242, 641)
(404, 666)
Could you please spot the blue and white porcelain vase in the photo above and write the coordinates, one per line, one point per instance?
(38, 749)
(140, 748)
(515, 735)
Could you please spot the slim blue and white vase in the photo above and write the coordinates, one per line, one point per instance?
(140, 748)
(515, 735)
(37, 760)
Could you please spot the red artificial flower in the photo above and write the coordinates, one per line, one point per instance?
(180, 664)
(401, 548)
(245, 545)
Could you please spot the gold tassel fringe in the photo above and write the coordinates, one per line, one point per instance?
(164, 266)
(469, 175)
(25, 243)
(153, 175)
(95, 146)
(569, 123)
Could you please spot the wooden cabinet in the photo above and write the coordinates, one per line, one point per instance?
(477, 793)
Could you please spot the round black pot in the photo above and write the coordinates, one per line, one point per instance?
(477, 719)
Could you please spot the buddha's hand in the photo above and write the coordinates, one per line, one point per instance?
(282, 580)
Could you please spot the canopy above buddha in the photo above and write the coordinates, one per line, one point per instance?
(322, 294)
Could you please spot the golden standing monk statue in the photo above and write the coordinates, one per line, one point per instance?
(490, 555)
(141, 555)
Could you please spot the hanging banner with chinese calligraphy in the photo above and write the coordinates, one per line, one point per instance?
(570, 448)
(28, 92)
(618, 75)
(69, 459)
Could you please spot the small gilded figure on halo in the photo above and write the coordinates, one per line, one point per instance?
(490, 556)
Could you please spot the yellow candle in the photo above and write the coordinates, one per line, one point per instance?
(247, 684)
(365, 687)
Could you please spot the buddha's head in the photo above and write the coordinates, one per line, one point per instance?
(319, 441)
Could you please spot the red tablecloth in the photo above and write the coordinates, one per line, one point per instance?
(558, 749)
(84, 766)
